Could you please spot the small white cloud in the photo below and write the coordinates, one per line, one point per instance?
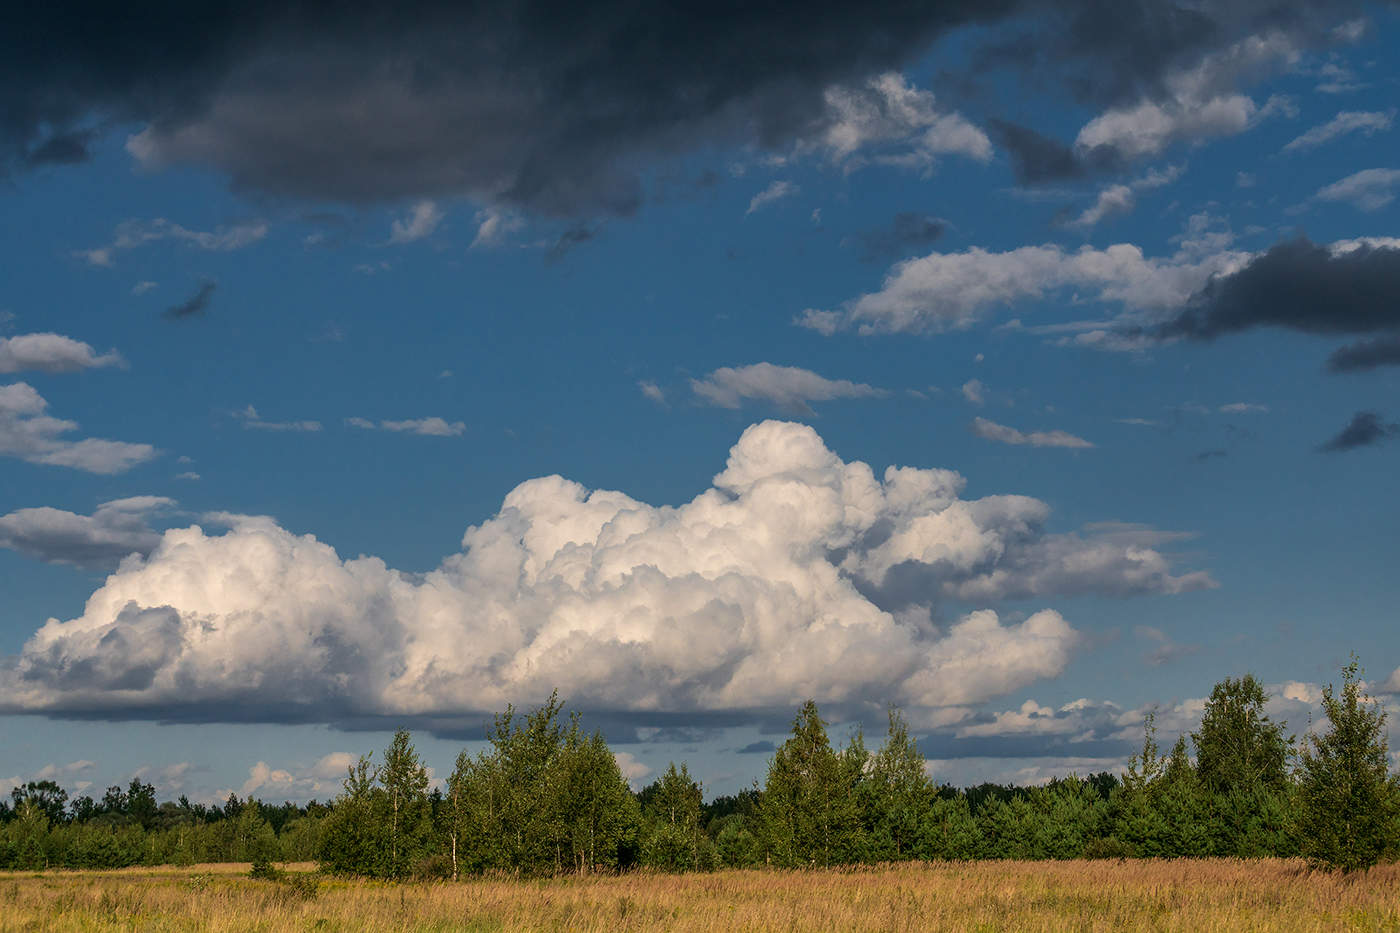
(1197, 103)
(1364, 122)
(991, 431)
(788, 387)
(652, 391)
(428, 427)
(634, 771)
(944, 292)
(973, 390)
(51, 353)
(887, 121)
(1121, 199)
(140, 288)
(1243, 408)
(253, 421)
(1370, 189)
(774, 192)
(492, 226)
(29, 433)
(188, 474)
(422, 220)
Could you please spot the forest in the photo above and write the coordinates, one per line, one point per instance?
(545, 797)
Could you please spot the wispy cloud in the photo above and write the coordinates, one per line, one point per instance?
(254, 421)
(429, 427)
(133, 234)
(774, 192)
(422, 220)
(991, 431)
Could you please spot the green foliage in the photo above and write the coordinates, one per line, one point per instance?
(405, 785)
(894, 798)
(543, 800)
(545, 797)
(1238, 747)
(355, 839)
(672, 838)
(1349, 804)
(809, 814)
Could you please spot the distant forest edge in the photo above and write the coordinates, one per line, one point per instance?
(547, 798)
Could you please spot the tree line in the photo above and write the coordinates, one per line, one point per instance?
(545, 797)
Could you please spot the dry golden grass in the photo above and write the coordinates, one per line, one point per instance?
(1110, 896)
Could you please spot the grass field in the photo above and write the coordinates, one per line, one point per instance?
(1181, 895)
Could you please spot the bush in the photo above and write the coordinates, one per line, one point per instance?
(1108, 847)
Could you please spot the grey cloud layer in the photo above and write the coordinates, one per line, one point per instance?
(100, 540)
(546, 105)
(797, 574)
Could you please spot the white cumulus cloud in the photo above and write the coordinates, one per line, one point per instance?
(797, 574)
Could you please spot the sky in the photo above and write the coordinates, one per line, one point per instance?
(1028, 366)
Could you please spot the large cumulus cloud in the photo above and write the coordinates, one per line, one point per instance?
(797, 574)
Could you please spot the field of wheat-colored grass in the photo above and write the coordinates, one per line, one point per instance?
(1206, 895)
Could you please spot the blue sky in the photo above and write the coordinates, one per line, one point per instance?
(300, 337)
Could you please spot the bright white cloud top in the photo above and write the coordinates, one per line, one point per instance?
(796, 574)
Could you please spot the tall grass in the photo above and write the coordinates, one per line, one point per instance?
(1195, 895)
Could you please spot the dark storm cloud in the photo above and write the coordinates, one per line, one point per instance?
(195, 304)
(571, 238)
(62, 149)
(1363, 430)
(1038, 159)
(1366, 354)
(1300, 286)
(909, 231)
(550, 106)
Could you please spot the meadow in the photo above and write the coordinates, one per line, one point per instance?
(1109, 895)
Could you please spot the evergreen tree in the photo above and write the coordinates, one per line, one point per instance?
(1349, 814)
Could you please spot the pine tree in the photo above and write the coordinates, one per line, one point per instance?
(1349, 813)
